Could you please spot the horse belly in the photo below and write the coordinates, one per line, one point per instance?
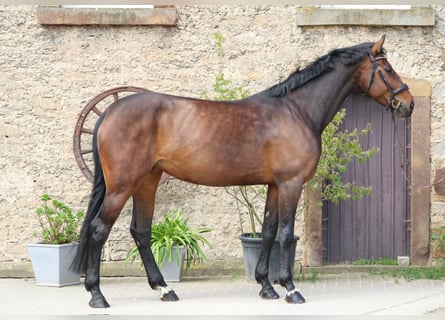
(212, 171)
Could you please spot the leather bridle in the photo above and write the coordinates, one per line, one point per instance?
(393, 102)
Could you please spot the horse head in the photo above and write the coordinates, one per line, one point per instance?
(378, 79)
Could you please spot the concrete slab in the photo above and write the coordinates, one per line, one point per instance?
(341, 294)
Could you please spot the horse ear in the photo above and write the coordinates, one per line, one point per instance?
(378, 46)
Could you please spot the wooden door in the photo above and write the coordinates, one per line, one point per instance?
(376, 226)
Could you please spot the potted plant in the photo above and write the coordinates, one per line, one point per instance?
(174, 242)
(59, 231)
(250, 201)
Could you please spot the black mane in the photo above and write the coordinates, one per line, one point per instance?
(348, 56)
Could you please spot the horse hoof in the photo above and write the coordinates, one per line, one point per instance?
(99, 303)
(295, 297)
(269, 293)
(169, 296)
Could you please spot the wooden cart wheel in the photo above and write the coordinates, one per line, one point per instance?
(83, 133)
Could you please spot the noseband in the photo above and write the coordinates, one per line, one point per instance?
(393, 101)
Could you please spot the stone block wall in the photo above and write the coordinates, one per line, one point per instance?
(48, 73)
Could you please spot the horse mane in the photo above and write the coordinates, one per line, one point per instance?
(324, 64)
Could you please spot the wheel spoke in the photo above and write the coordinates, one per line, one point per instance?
(96, 111)
(87, 130)
(86, 151)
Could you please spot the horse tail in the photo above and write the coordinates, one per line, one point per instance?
(97, 197)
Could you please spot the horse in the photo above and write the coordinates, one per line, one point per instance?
(272, 138)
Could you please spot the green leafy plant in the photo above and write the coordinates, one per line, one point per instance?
(381, 262)
(249, 199)
(438, 242)
(413, 273)
(225, 90)
(174, 231)
(339, 148)
(58, 222)
(219, 40)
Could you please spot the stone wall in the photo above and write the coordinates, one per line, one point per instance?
(50, 72)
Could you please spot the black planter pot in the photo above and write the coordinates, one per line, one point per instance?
(251, 252)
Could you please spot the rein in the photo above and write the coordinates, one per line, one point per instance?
(393, 101)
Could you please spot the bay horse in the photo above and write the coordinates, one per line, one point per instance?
(272, 138)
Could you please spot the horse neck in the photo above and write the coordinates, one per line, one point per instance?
(324, 95)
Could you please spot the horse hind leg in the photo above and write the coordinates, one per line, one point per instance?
(99, 231)
(143, 208)
(99, 234)
(268, 233)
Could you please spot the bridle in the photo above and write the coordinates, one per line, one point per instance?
(393, 102)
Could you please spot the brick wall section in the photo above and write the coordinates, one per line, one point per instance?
(50, 72)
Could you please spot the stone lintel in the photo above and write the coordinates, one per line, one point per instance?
(415, 16)
(56, 15)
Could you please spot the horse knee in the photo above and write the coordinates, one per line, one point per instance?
(286, 239)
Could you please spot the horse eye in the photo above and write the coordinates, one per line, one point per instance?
(388, 70)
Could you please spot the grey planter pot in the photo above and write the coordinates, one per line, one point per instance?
(51, 264)
(172, 270)
(251, 252)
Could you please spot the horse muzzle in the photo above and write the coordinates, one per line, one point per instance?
(401, 109)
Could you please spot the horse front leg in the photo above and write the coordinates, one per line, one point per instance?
(143, 208)
(288, 197)
(268, 233)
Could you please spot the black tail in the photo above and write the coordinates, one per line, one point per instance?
(97, 196)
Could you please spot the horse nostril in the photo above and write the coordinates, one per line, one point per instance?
(411, 106)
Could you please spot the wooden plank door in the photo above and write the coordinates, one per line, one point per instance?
(376, 226)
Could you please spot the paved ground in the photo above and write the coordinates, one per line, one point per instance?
(342, 294)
